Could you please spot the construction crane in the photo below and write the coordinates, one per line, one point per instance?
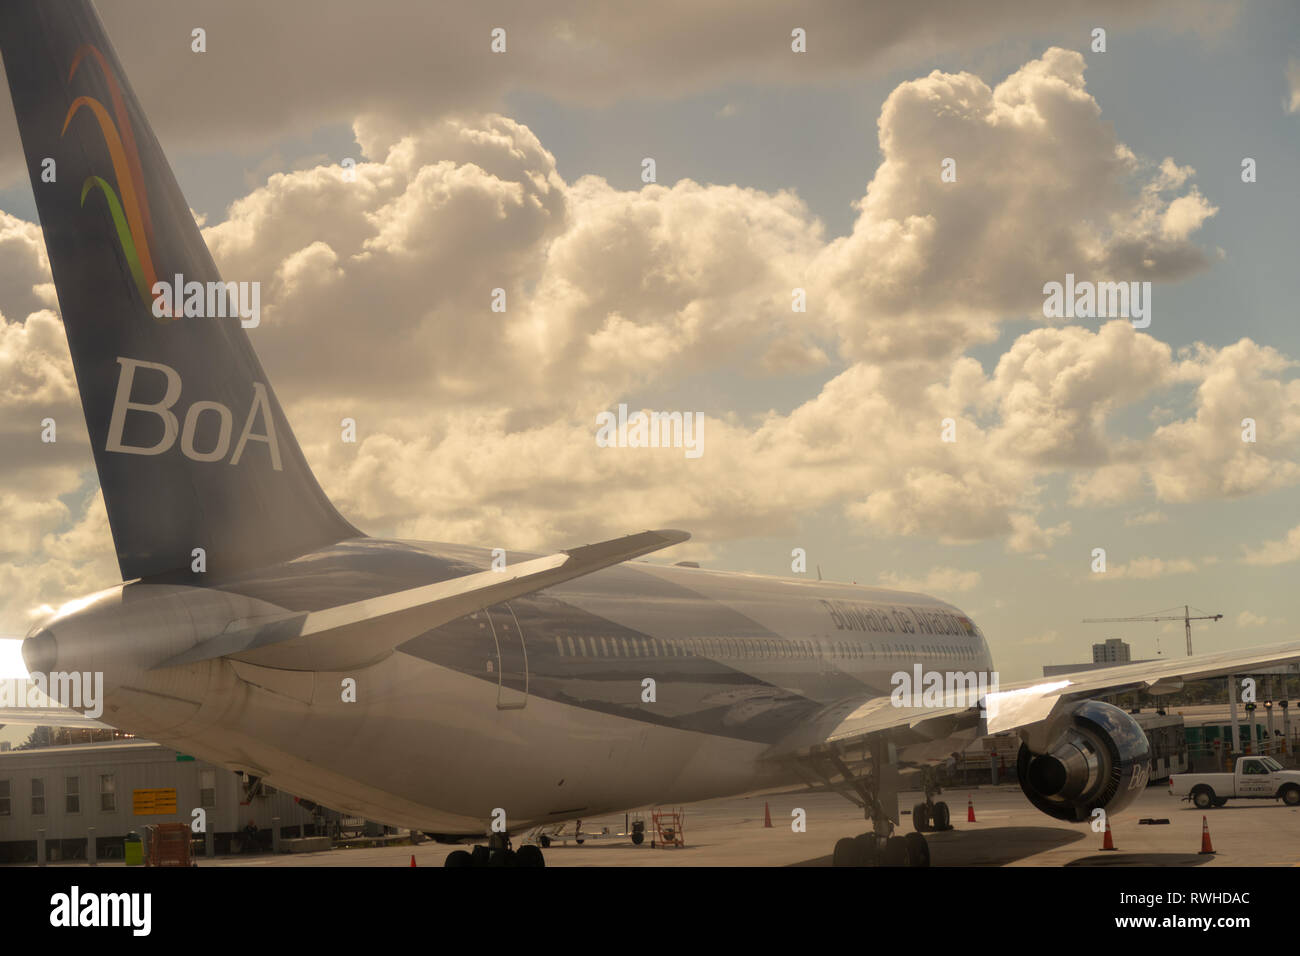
(1186, 617)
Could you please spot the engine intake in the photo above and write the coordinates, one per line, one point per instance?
(1101, 759)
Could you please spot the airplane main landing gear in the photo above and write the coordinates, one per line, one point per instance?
(876, 792)
(498, 852)
(868, 850)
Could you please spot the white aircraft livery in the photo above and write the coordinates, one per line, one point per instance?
(424, 685)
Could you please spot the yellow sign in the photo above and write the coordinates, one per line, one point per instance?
(146, 803)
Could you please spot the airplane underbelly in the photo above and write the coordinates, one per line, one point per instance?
(425, 746)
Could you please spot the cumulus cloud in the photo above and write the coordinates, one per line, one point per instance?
(1043, 188)
(77, 559)
(477, 425)
(1283, 551)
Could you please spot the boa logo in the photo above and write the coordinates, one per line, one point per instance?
(259, 407)
(130, 212)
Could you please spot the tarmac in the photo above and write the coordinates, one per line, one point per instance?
(1008, 832)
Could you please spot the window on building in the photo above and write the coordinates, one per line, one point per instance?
(107, 793)
(72, 795)
(38, 796)
(207, 788)
(5, 808)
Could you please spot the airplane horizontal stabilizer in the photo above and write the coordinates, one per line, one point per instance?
(357, 634)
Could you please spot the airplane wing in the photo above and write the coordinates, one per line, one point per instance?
(357, 634)
(851, 723)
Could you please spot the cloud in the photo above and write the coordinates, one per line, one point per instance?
(77, 559)
(1143, 518)
(1270, 553)
(280, 62)
(938, 580)
(477, 425)
(1250, 619)
(933, 267)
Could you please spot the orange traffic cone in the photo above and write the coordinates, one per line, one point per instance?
(1107, 842)
(767, 815)
(1206, 846)
(412, 859)
(970, 809)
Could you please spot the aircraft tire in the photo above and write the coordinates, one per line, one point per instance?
(940, 819)
(529, 855)
(920, 850)
(867, 854)
(897, 852)
(846, 852)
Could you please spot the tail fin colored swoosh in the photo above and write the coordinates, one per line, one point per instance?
(192, 447)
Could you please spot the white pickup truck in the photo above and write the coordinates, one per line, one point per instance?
(1256, 778)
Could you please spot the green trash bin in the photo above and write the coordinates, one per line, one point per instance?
(133, 849)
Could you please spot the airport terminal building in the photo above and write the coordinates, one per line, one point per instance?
(106, 790)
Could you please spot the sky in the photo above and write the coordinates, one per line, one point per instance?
(775, 170)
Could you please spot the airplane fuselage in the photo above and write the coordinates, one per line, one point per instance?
(636, 685)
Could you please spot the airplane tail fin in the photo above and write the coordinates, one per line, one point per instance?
(192, 448)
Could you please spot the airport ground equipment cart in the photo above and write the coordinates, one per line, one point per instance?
(670, 826)
(169, 845)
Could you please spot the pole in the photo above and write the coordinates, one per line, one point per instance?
(1187, 624)
(1232, 710)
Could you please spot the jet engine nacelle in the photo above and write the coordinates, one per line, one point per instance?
(1099, 758)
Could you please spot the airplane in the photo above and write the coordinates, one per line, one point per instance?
(456, 691)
